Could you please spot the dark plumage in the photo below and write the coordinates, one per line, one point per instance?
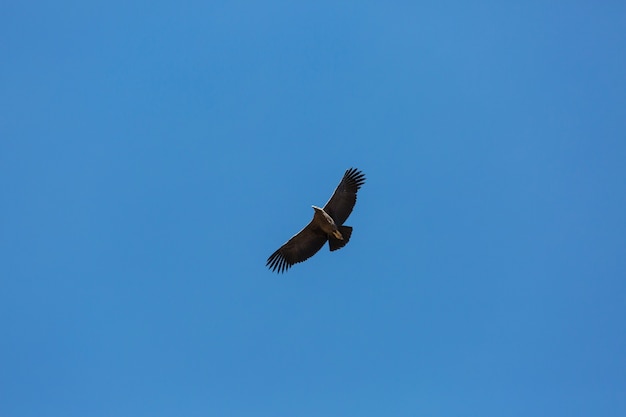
(327, 225)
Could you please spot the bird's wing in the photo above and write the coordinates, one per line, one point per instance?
(299, 248)
(343, 200)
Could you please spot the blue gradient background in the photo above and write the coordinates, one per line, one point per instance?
(153, 154)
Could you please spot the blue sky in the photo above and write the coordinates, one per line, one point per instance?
(154, 154)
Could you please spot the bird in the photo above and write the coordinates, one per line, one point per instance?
(327, 225)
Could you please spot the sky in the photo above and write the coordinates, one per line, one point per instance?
(154, 154)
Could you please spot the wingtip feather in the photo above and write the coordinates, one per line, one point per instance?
(355, 177)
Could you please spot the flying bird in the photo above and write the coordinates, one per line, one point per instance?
(327, 225)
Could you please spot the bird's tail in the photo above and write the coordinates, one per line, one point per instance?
(334, 243)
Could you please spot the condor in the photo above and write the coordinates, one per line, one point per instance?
(327, 225)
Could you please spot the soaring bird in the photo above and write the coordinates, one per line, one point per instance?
(327, 225)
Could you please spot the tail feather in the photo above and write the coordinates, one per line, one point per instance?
(334, 244)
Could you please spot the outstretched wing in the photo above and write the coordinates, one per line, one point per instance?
(343, 200)
(299, 248)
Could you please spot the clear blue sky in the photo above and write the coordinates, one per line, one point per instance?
(154, 154)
